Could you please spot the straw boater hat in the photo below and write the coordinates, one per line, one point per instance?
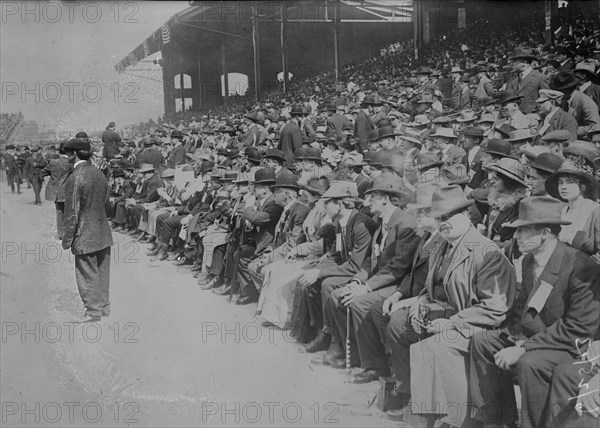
(538, 210)
(444, 132)
(146, 167)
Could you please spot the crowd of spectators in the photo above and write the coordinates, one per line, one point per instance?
(8, 123)
(438, 223)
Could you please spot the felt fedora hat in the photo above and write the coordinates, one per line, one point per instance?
(538, 210)
(388, 183)
(316, 186)
(511, 168)
(564, 80)
(449, 199)
(342, 190)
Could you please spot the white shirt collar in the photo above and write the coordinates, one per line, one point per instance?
(473, 152)
(344, 220)
(78, 162)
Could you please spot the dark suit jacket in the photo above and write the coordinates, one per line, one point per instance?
(420, 266)
(148, 190)
(393, 263)
(571, 309)
(362, 127)
(34, 165)
(151, 156)
(559, 121)
(177, 156)
(111, 142)
(593, 91)
(356, 246)
(58, 170)
(86, 199)
(264, 222)
(529, 88)
(290, 139)
(335, 124)
(290, 228)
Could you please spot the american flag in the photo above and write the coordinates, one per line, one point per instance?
(166, 34)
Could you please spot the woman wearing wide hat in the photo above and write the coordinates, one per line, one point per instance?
(508, 176)
(277, 294)
(580, 191)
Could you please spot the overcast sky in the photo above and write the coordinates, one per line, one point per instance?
(55, 57)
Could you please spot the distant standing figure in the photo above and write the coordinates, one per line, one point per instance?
(86, 229)
(111, 141)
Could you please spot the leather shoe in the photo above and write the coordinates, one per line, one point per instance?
(213, 283)
(153, 252)
(182, 261)
(89, 318)
(335, 350)
(204, 277)
(196, 268)
(162, 255)
(336, 363)
(232, 298)
(368, 375)
(319, 343)
(245, 300)
(223, 290)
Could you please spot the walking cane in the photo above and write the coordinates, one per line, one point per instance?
(348, 338)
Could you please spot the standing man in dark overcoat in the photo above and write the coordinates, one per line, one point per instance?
(86, 229)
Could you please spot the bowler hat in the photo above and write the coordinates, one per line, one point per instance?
(265, 176)
(547, 162)
(331, 107)
(370, 100)
(511, 168)
(252, 154)
(449, 199)
(424, 194)
(564, 80)
(373, 135)
(78, 144)
(177, 134)
(505, 129)
(313, 153)
(377, 159)
(316, 186)
(552, 182)
(538, 210)
(206, 167)
(342, 190)
(509, 96)
(118, 172)
(388, 183)
(386, 132)
(473, 132)
(146, 167)
(296, 110)
(275, 154)
(81, 134)
(288, 181)
(428, 160)
(300, 153)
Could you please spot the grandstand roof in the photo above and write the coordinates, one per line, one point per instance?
(234, 20)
